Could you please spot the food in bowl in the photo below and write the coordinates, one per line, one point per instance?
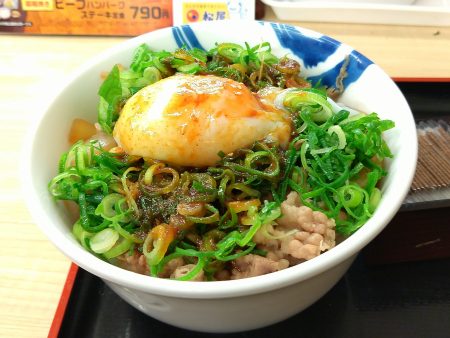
(241, 304)
(219, 164)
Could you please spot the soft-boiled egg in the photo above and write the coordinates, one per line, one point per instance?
(187, 120)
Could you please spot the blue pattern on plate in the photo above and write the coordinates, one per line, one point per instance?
(329, 77)
(356, 66)
(302, 45)
(185, 36)
(177, 36)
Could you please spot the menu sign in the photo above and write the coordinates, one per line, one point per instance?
(84, 17)
(190, 11)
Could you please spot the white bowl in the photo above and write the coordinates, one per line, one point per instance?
(236, 305)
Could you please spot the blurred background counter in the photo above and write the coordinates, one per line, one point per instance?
(32, 271)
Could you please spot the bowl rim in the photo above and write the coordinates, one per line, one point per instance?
(216, 289)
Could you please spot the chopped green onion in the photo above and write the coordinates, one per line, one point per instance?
(110, 93)
(350, 195)
(118, 249)
(195, 271)
(374, 199)
(298, 98)
(336, 129)
(214, 217)
(106, 207)
(104, 240)
(231, 51)
(152, 74)
(81, 235)
(189, 69)
(270, 212)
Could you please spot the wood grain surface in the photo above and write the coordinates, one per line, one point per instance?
(32, 271)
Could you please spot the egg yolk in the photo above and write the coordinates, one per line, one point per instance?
(187, 120)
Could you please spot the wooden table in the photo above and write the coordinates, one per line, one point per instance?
(32, 271)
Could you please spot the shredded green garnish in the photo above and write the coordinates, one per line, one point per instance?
(350, 148)
(209, 216)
